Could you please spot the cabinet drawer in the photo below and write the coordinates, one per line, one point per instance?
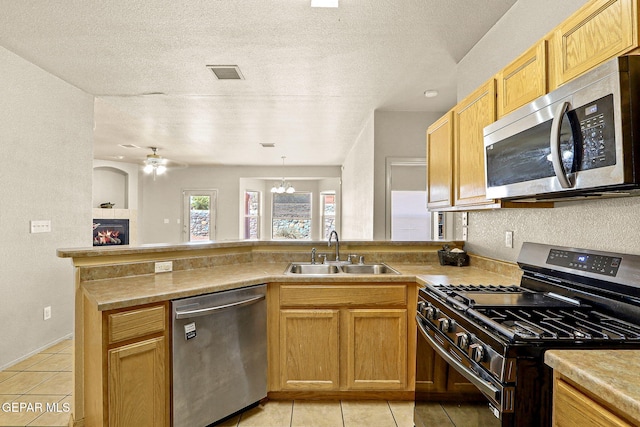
(136, 323)
(342, 295)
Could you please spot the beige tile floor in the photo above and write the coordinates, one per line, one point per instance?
(42, 384)
(37, 391)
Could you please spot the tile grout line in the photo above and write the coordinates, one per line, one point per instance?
(392, 414)
(293, 402)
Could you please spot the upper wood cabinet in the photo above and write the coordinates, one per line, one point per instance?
(470, 116)
(524, 80)
(440, 163)
(455, 153)
(600, 30)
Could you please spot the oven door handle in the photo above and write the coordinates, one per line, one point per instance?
(484, 386)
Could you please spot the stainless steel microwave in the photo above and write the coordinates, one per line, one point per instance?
(581, 140)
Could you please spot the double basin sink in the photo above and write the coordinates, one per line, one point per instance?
(301, 268)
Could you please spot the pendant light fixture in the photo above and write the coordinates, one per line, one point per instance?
(283, 187)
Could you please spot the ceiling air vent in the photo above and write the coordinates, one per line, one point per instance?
(226, 72)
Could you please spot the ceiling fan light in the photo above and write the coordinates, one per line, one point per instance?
(148, 168)
(161, 169)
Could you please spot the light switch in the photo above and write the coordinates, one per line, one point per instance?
(41, 226)
(508, 239)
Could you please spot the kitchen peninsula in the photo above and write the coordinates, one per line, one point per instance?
(117, 287)
(122, 310)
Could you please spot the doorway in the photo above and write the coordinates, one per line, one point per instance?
(199, 218)
(407, 217)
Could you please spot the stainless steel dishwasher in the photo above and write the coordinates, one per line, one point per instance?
(219, 355)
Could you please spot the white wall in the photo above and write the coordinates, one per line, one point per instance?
(46, 129)
(396, 134)
(601, 224)
(162, 199)
(357, 186)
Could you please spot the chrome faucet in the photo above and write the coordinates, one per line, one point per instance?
(313, 255)
(334, 232)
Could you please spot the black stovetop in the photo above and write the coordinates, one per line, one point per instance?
(526, 315)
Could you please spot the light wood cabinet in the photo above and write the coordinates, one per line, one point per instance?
(471, 115)
(524, 80)
(440, 163)
(600, 30)
(377, 349)
(126, 366)
(309, 349)
(341, 340)
(137, 386)
(573, 407)
(455, 153)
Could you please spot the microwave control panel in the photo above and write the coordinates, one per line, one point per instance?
(598, 135)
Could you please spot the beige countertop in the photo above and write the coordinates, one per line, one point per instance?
(612, 375)
(123, 292)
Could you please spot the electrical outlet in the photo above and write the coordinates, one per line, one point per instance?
(47, 312)
(464, 234)
(43, 226)
(465, 219)
(164, 266)
(508, 239)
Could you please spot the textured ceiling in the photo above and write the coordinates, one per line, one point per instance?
(312, 76)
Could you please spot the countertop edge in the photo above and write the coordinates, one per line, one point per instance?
(152, 288)
(603, 380)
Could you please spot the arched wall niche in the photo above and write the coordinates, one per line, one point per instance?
(110, 185)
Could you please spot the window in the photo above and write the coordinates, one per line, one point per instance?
(199, 215)
(328, 212)
(252, 215)
(291, 217)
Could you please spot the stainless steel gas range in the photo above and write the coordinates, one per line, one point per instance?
(496, 336)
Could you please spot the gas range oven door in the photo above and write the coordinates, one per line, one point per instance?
(496, 411)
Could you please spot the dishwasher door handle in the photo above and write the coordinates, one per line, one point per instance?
(210, 310)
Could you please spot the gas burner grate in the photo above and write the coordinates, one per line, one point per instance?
(560, 324)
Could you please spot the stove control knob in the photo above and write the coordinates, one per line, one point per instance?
(462, 340)
(477, 352)
(422, 307)
(431, 312)
(446, 325)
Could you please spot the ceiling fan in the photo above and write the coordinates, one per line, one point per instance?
(157, 165)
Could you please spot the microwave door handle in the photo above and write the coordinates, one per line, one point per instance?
(554, 142)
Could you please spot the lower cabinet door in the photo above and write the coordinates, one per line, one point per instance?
(137, 384)
(377, 349)
(309, 349)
